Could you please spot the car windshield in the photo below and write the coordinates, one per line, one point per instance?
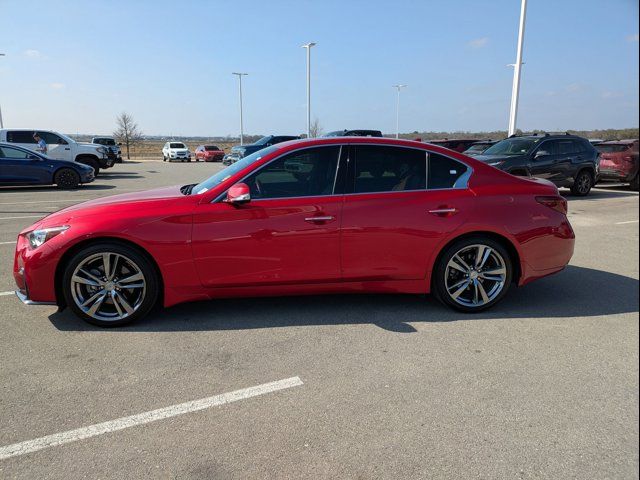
(512, 146)
(612, 148)
(104, 141)
(263, 140)
(231, 170)
(211, 148)
(177, 145)
(480, 147)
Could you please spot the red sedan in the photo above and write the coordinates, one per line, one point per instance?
(327, 215)
(209, 153)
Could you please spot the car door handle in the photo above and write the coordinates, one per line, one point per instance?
(67, 148)
(444, 211)
(327, 218)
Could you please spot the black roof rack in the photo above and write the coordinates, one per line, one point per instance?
(538, 134)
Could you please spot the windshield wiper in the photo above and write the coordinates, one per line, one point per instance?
(186, 189)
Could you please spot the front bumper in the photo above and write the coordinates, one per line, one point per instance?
(24, 298)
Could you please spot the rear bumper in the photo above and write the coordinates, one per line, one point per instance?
(617, 175)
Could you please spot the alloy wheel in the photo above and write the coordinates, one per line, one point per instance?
(475, 275)
(108, 286)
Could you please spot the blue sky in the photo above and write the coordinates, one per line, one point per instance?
(73, 66)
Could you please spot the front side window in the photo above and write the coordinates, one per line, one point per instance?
(14, 153)
(20, 136)
(309, 172)
(389, 169)
(52, 139)
(445, 172)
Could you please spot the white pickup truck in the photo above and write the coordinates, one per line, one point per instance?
(60, 147)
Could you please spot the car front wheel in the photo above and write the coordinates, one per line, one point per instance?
(473, 274)
(66, 178)
(110, 284)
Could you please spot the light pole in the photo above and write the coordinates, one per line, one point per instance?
(240, 75)
(1, 122)
(513, 111)
(308, 47)
(399, 86)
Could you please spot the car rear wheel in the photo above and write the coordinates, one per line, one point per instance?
(473, 274)
(109, 284)
(634, 184)
(66, 178)
(582, 184)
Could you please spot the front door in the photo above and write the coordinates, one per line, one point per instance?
(400, 203)
(19, 166)
(289, 233)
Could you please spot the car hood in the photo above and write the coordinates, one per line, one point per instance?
(115, 204)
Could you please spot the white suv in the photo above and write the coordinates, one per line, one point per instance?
(176, 151)
(60, 147)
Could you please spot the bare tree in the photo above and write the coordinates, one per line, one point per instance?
(127, 131)
(316, 129)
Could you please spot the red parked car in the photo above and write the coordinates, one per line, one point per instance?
(619, 162)
(209, 153)
(344, 214)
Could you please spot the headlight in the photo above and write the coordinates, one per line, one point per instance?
(102, 150)
(40, 236)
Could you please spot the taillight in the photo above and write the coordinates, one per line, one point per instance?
(559, 204)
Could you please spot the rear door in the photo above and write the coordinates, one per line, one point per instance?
(289, 233)
(546, 166)
(400, 202)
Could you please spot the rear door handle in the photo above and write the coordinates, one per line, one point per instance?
(444, 211)
(327, 218)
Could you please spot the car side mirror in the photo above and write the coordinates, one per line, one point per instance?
(239, 194)
(541, 153)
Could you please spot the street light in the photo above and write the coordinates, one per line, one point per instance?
(1, 123)
(399, 86)
(513, 111)
(308, 47)
(240, 75)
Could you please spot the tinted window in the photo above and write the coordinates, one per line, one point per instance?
(211, 148)
(177, 145)
(305, 173)
(445, 172)
(20, 136)
(8, 152)
(550, 146)
(52, 139)
(612, 148)
(567, 146)
(389, 169)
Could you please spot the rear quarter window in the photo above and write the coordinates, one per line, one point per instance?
(445, 172)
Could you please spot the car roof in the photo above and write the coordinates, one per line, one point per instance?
(354, 140)
(619, 142)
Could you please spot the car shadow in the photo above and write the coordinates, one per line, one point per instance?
(575, 292)
(53, 188)
(601, 193)
(119, 175)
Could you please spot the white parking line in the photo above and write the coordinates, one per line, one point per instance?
(49, 201)
(146, 417)
(7, 243)
(5, 294)
(625, 223)
(16, 218)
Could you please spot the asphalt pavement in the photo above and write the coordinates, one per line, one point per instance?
(544, 385)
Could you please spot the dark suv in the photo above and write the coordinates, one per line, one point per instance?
(240, 151)
(566, 160)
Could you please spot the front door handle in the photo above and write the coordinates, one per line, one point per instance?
(327, 218)
(444, 211)
(67, 148)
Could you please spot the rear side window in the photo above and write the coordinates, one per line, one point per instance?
(8, 152)
(389, 169)
(568, 146)
(309, 172)
(550, 146)
(20, 136)
(445, 172)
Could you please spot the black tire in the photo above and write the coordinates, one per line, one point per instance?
(582, 184)
(150, 278)
(439, 280)
(164, 159)
(66, 178)
(634, 185)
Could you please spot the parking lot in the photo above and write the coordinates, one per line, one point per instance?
(544, 385)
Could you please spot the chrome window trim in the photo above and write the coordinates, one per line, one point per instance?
(466, 175)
